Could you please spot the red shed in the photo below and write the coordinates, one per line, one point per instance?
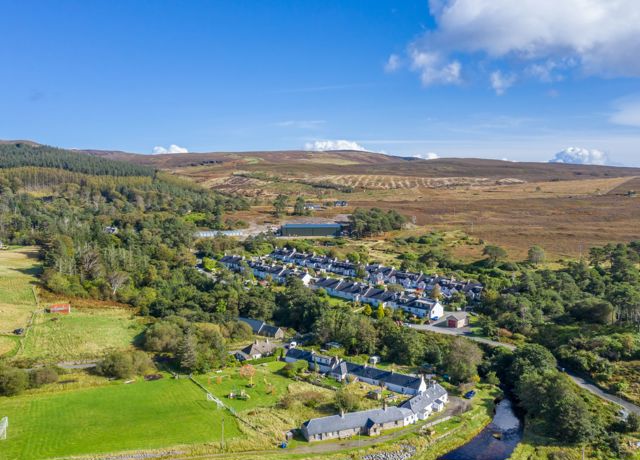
(62, 308)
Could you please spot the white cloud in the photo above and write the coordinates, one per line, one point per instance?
(173, 148)
(581, 156)
(393, 63)
(433, 68)
(627, 111)
(427, 156)
(500, 82)
(301, 124)
(541, 38)
(339, 144)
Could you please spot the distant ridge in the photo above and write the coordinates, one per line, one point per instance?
(311, 164)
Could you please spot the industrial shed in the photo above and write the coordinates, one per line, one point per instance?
(311, 230)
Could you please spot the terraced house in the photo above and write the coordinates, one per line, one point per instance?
(425, 400)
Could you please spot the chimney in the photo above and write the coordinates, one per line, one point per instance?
(384, 405)
(341, 413)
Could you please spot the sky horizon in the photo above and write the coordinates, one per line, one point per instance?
(539, 80)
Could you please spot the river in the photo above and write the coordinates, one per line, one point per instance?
(496, 442)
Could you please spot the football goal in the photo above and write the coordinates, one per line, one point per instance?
(210, 397)
(4, 424)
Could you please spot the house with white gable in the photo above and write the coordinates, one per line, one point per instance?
(424, 308)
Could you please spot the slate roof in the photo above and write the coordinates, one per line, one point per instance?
(259, 348)
(296, 353)
(421, 401)
(255, 324)
(353, 420)
(260, 327)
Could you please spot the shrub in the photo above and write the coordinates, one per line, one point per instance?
(13, 381)
(310, 398)
(122, 365)
(346, 401)
(42, 376)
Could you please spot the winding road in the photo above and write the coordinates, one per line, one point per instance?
(440, 328)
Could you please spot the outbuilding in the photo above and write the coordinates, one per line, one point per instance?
(311, 230)
(457, 320)
(62, 308)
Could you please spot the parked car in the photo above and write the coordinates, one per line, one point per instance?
(469, 394)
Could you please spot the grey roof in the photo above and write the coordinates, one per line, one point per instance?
(353, 420)
(296, 353)
(260, 327)
(311, 226)
(255, 324)
(458, 315)
(259, 348)
(421, 401)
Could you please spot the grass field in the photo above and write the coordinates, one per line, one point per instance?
(18, 268)
(83, 334)
(117, 417)
(261, 410)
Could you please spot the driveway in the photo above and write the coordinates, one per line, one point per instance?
(440, 328)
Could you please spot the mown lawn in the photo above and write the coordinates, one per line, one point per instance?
(117, 417)
(83, 334)
(18, 268)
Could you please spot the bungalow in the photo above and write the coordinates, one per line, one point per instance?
(261, 328)
(316, 361)
(256, 350)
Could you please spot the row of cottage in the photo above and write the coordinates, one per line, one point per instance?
(425, 399)
(379, 274)
(409, 301)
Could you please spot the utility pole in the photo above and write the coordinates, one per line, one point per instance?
(222, 440)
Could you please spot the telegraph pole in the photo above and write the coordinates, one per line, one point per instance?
(222, 441)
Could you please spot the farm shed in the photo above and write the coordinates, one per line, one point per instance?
(62, 308)
(311, 229)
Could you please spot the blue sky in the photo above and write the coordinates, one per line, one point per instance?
(467, 78)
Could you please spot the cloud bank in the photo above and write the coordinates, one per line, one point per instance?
(340, 144)
(542, 39)
(581, 156)
(427, 156)
(173, 148)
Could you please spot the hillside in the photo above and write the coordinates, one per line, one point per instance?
(562, 207)
(341, 163)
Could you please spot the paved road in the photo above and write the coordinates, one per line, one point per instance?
(581, 382)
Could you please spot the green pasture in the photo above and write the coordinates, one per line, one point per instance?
(117, 417)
